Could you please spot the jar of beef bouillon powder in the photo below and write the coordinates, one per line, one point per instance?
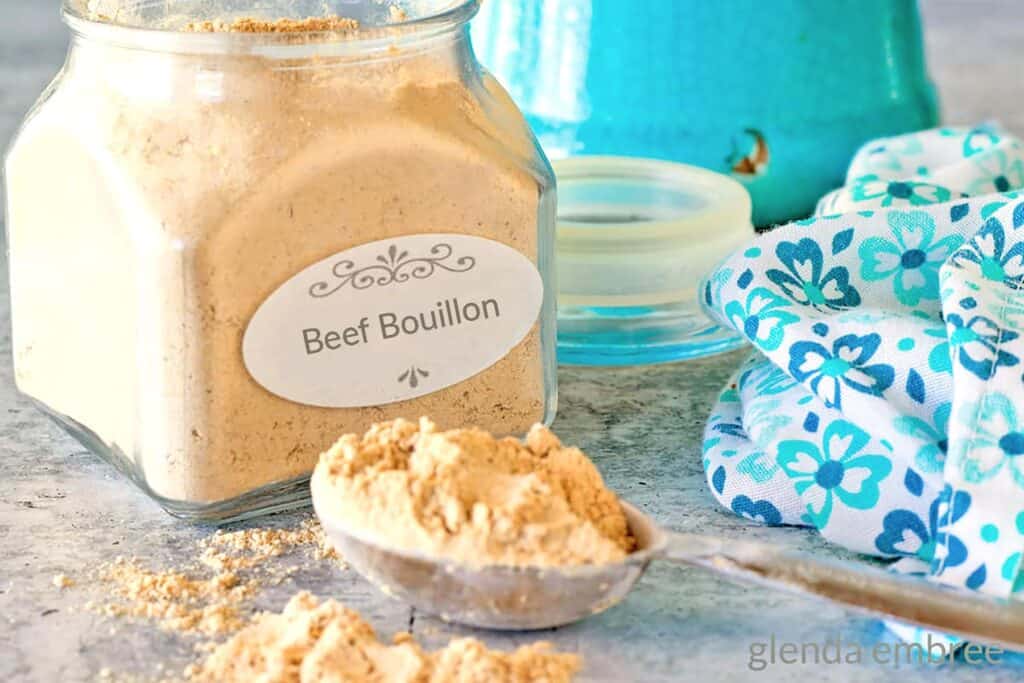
(239, 230)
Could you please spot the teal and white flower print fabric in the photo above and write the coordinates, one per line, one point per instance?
(885, 403)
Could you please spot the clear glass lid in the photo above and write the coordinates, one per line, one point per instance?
(640, 230)
(635, 238)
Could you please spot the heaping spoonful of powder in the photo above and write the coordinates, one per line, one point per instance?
(466, 496)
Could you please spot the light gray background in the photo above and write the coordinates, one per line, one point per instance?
(62, 510)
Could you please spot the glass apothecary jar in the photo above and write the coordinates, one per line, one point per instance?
(228, 246)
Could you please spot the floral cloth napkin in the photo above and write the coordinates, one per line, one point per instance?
(885, 403)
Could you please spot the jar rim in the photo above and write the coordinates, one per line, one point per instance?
(720, 209)
(364, 40)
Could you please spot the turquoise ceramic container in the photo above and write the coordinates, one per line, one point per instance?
(779, 94)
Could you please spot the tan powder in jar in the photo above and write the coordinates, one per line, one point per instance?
(465, 496)
(251, 25)
(191, 191)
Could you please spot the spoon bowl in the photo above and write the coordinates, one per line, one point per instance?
(497, 597)
(528, 598)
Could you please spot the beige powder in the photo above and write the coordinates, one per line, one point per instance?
(211, 595)
(175, 600)
(312, 641)
(129, 12)
(248, 548)
(251, 25)
(466, 496)
(190, 188)
(62, 581)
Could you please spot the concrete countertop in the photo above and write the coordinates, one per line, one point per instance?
(62, 510)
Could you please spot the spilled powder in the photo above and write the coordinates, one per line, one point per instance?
(62, 581)
(210, 597)
(175, 600)
(325, 641)
(466, 496)
(248, 548)
(309, 641)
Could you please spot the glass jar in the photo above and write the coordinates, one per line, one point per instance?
(228, 248)
(634, 240)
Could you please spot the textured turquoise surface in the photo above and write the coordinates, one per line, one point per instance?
(700, 82)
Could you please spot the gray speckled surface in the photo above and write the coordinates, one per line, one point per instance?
(63, 510)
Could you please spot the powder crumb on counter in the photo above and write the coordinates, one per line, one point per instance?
(248, 548)
(107, 675)
(329, 24)
(62, 581)
(325, 641)
(176, 601)
(466, 496)
(210, 594)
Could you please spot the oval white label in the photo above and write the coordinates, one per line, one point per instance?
(393, 320)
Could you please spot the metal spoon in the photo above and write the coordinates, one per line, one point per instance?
(515, 598)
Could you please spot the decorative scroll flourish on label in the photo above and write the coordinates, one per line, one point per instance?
(394, 267)
(412, 376)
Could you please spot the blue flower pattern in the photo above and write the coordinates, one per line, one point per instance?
(805, 280)
(997, 172)
(994, 258)
(905, 533)
(897, 192)
(834, 472)
(761, 511)
(776, 382)
(764, 420)
(865, 319)
(845, 365)
(976, 343)
(997, 442)
(762, 318)
(911, 257)
(934, 435)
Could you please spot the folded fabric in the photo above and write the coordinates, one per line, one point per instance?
(884, 405)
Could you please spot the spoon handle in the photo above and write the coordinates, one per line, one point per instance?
(862, 587)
